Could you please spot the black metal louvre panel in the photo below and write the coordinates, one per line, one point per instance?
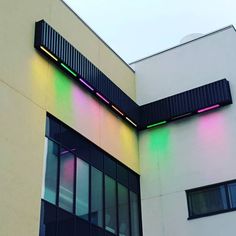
(46, 36)
(187, 102)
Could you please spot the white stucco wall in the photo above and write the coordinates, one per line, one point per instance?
(191, 152)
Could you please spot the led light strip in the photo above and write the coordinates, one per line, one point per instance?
(182, 116)
(117, 110)
(68, 69)
(104, 99)
(49, 54)
(208, 108)
(159, 123)
(130, 121)
(87, 85)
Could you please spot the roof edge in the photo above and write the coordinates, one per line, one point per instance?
(122, 60)
(182, 44)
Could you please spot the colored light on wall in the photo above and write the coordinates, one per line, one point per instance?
(117, 110)
(208, 108)
(104, 99)
(87, 85)
(131, 121)
(159, 123)
(68, 69)
(50, 54)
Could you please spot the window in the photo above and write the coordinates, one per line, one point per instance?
(86, 191)
(213, 199)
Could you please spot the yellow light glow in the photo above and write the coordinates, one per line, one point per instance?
(50, 54)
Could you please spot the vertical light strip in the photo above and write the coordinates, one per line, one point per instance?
(159, 123)
(117, 110)
(208, 108)
(130, 121)
(49, 54)
(87, 85)
(104, 99)
(68, 69)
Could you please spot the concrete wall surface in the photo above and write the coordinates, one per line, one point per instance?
(194, 151)
(30, 86)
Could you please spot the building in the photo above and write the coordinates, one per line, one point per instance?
(93, 146)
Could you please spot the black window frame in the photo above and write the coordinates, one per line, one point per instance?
(225, 185)
(133, 181)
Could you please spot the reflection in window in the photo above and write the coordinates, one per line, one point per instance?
(50, 182)
(66, 186)
(123, 210)
(82, 189)
(110, 205)
(232, 194)
(134, 214)
(96, 197)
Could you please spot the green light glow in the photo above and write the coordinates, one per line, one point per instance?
(68, 69)
(159, 123)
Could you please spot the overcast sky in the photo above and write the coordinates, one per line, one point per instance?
(136, 28)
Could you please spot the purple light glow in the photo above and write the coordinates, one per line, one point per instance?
(87, 85)
(208, 108)
(104, 99)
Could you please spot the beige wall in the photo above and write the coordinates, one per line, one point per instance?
(29, 87)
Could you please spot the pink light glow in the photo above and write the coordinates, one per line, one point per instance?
(104, 99)
(208, 108)
(87, 85)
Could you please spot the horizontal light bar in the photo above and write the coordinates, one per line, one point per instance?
(117, 110)
(68, 69)
(87, 85)
(104, 99)
(178, 117)
(49, 54)
(159, 123)
(208, 108)
(130, 121)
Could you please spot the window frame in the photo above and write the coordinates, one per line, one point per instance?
(132, 184)
(224, 184)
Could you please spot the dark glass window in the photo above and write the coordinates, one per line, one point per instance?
(85, 190)
(82, 189)
(134, 214)
(123, 210)
(51, 166)
(110, 205)
(96, 197)
(213, 199)
(232, 194)
(66, 186)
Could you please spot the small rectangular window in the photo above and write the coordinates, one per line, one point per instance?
(207, 200)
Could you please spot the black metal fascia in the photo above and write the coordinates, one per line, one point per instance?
(52, 45)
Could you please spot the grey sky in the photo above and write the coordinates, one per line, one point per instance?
(137, 28)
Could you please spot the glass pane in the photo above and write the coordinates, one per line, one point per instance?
(123, 210)
(82, 189)
(232, 194)
(66, 186)
(96, 197)
(134, 213)
(48, 223)
(208, 200)
(110, 205)
(51, 166)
